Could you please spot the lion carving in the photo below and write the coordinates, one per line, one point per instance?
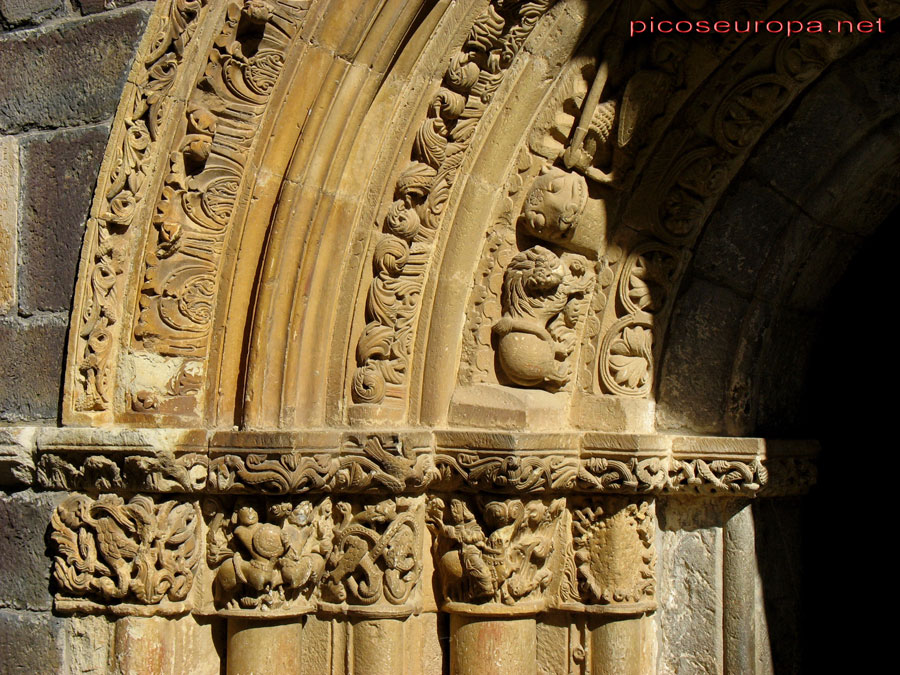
(537, 289)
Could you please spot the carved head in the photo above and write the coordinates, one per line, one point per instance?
(247, 516)
(532, 274)
(460, 512)
(556, 200)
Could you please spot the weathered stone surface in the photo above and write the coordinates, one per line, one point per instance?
(30, 642)
(15, 12)
(24, 573)
(690, 597)
(59, 174)
(68, 74)
(31, 358)
(94, 6)
(9, 220)
(17, 455)
(737, 240)
(704, 331)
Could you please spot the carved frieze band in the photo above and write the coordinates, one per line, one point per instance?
(412, 462)
(270, 557)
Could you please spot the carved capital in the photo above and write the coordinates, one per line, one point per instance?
(124, 555)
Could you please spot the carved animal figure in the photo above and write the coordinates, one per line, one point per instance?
(533, 295)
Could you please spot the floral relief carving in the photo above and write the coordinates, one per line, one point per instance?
(365, 463)
(613, 553)
(140, 551)
(403, 251)
(124, 192)
(198, 198)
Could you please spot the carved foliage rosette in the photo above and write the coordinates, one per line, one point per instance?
(112, 551)
(612, 560)
(504, 560)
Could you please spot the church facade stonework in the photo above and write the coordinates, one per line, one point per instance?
(439, 336)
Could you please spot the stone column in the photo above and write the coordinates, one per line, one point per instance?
(261, 647)
(620, 646)
(482, 645)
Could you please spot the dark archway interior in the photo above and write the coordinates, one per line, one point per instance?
(824, 597)
(851, 406)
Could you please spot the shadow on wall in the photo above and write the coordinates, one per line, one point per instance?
(822, 598)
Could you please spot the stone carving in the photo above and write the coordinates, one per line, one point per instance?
(554, 203)
(141, 551)
(124, 191)
(372, 463)
(402, 254)
(376, 554)
(506, 472)
(198, 197)
(613, 553)
(268, 565)
(160, 472)
(543, 298)
(507, 555)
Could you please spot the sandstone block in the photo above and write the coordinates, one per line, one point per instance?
(68, 74)
(59, 174)
(17, 12)
(28, 642)
(31, 358)
(24, 573)
(9, 221)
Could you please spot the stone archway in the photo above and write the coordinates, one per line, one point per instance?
(371, 310)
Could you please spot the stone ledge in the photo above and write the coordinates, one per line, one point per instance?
(198, 461)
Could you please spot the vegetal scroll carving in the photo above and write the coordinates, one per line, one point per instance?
(125, 191)
(141, 551)
(402, 254)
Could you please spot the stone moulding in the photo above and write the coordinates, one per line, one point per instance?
(415, 461)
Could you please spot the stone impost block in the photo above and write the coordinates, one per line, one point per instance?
(31, 358)
(59, 174)
(68, 74)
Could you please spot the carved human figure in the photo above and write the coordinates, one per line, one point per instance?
(537, 287)
(254, 563)
(466, 560)
(556, 199)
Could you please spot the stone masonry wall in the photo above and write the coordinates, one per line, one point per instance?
(63, 65)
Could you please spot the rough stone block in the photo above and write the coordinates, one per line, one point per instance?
(59, 174)
(31, 359)
(94, 6)
(690, 594)
(24, 567)
(9, 221)
(17, 12)
(29, 642)
(704, 331)
(739, 237)
(72, 73)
